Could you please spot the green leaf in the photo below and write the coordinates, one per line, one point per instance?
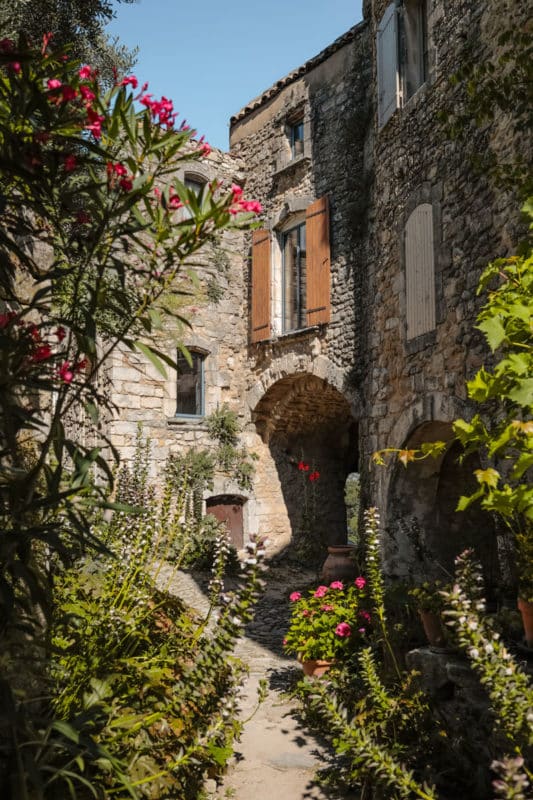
(151, 356)
(494, 331)
(523, 393)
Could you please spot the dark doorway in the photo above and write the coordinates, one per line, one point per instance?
(227, 508)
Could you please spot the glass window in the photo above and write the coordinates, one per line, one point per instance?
(190, 385)
(194, 185)
(297, 139)
(294, 278)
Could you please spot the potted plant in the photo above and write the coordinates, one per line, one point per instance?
(327, 624)
(429, 603)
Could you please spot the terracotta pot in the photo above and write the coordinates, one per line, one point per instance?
(433, 628)
(526, 609)
(340, 564)
(316, 667)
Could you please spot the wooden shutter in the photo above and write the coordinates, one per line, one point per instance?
(387, 65)
(420, 271)
(318, 276)
(260, 311)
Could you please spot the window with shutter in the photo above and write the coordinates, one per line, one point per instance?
(387, 65)
(260, 292)
(420, 272)
(402, 55)
(318, 263)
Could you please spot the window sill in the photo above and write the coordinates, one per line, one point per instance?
(421, 342)
(293, 163)
(300, 333)
(187, 423)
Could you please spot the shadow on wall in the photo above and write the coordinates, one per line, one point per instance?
(312, 439)
(425, 533)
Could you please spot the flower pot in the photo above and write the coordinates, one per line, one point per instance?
(526, 609)
(316, 667)
(340, 564)
(433, 628)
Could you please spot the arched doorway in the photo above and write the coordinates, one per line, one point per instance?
(312, 443)
(425, 532)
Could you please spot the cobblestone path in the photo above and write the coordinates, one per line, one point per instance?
(276, 758)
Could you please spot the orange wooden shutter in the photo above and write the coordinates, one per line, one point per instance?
(260, 315)
(318, 262)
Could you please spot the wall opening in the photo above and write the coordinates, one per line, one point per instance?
(425, 533)
(313, 446)
(228, 508)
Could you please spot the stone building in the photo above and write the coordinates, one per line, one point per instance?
(346, 323)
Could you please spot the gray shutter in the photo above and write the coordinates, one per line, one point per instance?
(387, 65)
(420, 271)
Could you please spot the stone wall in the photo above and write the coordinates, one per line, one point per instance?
(312, 415)
(218, 329)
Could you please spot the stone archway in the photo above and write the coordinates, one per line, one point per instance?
(311, 447)
(425, 532)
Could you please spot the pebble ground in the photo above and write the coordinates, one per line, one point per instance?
(276, 758)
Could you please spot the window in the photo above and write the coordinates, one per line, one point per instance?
(420, 272)
(298, 261)
(194, 185)
(294, 273)
(402, 57)
(296, 135)
(190, 385)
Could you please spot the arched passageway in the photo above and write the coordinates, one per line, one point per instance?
(425, 532)
(311, 437)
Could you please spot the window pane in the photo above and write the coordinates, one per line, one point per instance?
(189, 385)
(294, 279)
(297, 139)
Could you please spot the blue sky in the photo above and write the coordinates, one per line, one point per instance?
(212, 57)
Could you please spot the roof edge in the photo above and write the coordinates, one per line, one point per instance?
(276, 88)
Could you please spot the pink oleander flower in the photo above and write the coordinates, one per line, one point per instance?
(130, 80)
(343, 629)
(86, 73)
(360, 582)
(321, 591)
(70, 162)
(95, 122)
(65, 372)
(295, 596)
(87, 94)
(336, 585)
(126, 184)
(253, 206)
(42, 353)
(205, 149)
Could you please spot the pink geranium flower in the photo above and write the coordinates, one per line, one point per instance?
(360, 582)
(295, 596)
(321, 591)
(336, 585)
(343, 629)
